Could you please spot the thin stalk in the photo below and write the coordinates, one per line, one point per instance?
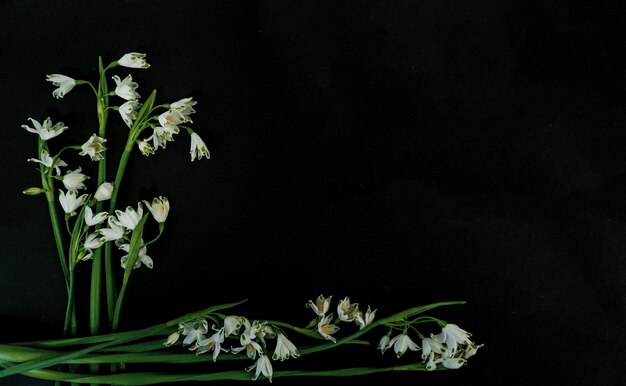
(70, 306)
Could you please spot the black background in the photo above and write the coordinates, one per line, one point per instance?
(396, 152)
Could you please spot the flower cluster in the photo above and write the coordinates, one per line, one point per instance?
(253, 338)
(451, 348)
(346, 312)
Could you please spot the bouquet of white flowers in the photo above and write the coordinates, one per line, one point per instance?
(96, 229)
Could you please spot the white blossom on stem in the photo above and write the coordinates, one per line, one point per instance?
(232, 324)
(347, 311)
(401, 343)
(194, 331)
(284, 348)
(73, 180)
(321, 305)
(104, 191)
(45, 130)
(198, 148)
(160, 208)
(326, 329)
(213, 343)
(133, 60)
(70, 202)
(185, 107)
(92, 220)
(364, 320)
(128, 112)
(48, 161)
(125, 89)
(172, 339)
(262, 366)
(383, 345)
(93, 241)
(94, 147)
(114, 232)
(130, 218)
(145, 148)
(64, 83)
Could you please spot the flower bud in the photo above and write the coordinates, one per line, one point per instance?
(173, 338)
(104, 192)
(33, 191)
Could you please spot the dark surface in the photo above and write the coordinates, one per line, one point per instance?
(400, 153)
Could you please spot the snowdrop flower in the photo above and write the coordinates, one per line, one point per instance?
(249, 332)
(69, 202)
(162, 135)
(172, 339)
(45, 130)
(185, 107)
(471, 350)
(452, 335)
(73, 180)
(252, 348)
(133, 60)
(92, 242)
(125, 89)
(92, 220)
(64, 83)
(453, 363)
(194, 331)
(284, 348)
(400, 344)
(198, 148)
(383, 345)
(128, 112)
(160, 208)
(114, 232)
(93, 147)
(171, 119)
(104, 191)
(48, 161)
(364, 321)
(262, 366)
(326, 329)
(129, 219)
(232, 324)
(429, 346)
(346, 311)
(141, 257)
(213, 343)
(321, 305)
(145, 148)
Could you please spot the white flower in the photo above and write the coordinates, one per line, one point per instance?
(284, 348)
(172, 339)
(133, 60)
(73, 180)
(145, 148)
(471, 350)
(126, 88)
(93, 147)
(160, 208)
(365, 321)
(64, 83)
(321, 305)
(45, 130)
(265, 331)
(128, 112)
(92, 242)
(452, 335)
(162, 135)
(347, 311)
(104, 191)
(129, 219)
(383, 345)
(249, 332)
(262, 366)
(171, 118)
(401, 342)
(232, 324)
(69, 202)
(252, 348)
(213, 343)
(92, 220)
(185, 107)
(430, 345)
(48, 161)
(326, 329)
(141, 257)
(453, 363)
(432, 362)
(198, 148)
(115, 231)
(194, 331)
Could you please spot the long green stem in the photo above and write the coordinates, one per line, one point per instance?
(70, 306)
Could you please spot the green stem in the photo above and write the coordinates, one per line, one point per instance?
(118, 304)
(70, 305)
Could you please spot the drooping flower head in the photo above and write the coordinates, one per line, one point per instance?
(284, 348)
(185, 107)
(213, 343)
(198, 148)
(364, 320)
(48, 161)
(104, 191)
(160, 208)
(145, 148)
(133, 60)
(194, 331)
(262, 366)
(125, 89)
(401, 343)
(94, 147)
(92, 220)
(130, 218)
(45, 130)
(142, 257)
(128, 112)
(64, 83)
(73, 180)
